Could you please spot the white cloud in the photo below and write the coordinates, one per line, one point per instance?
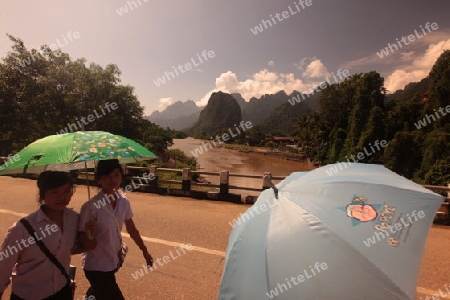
(271, 63)
(261, 83)
(164, 102)
(316, 69)
(304, 62)
(204, 100)
(417, 69)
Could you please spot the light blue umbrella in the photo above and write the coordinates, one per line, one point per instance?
(357, 233)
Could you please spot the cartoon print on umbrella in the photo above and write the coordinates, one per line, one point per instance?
(381, 217)
(360, 211)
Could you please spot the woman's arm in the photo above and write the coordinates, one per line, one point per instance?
(83, 244)
(15, 240)
(87, 226)
(134, 234)
(84, 241)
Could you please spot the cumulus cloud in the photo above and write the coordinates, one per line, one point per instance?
(204, 100)
(416, 69)
(316, 69)
(164, 102)
(304, 62)
(261, 83)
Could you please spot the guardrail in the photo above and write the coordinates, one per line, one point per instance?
(224, 178)
(186, 183)
(224, 186)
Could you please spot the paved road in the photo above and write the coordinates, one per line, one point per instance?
(193, 273)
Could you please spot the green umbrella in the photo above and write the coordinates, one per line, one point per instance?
(76, 150)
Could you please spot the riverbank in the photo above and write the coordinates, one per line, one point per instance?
(288, 155)
(241, 159)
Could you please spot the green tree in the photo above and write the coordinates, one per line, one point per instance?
(403, 153)
(44, 92)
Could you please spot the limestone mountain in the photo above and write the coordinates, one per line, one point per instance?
(283, 118)
(178, 116)
(257, 110)
(221, 112)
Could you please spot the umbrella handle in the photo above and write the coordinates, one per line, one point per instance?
(89, 233)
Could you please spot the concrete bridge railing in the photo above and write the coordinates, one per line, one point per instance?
(223, 186)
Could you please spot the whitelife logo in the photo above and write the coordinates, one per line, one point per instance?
(165, 260)
(265, 24)
(11, 250)
(423, 122)
(382, 232)
(411, 38)
(360, 156)
(129, 187)
(71, 127)
(199, 150)
(53, 47)
(318, 267)
(187, 67)
(342, 76)
(11, 159)
(257, 210)
(124, 9)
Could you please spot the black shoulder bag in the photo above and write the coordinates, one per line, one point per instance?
(50, 256)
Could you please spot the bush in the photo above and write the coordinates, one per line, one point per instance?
(271, 144)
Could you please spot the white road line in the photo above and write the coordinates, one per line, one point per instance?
(148, 239)
(176, 244)
(10, 212)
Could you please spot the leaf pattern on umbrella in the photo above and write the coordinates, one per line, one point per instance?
(94, 146)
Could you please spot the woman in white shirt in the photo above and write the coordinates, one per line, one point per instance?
(23, 263)
(110, 209)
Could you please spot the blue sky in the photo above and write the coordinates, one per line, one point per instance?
(293, 54)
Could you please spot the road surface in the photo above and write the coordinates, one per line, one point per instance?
(189, 272)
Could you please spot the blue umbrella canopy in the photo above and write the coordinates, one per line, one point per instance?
(358, 233)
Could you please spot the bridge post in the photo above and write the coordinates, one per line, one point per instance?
(186, 180)
(224, 182)
(267, 183)
(153, 184)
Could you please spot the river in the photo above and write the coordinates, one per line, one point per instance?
(218, 159)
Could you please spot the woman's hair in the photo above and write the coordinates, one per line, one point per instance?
(106, 167)
(49, 180)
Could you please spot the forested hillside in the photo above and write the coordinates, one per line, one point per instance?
(354, 115)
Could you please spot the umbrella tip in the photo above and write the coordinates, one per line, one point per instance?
(275, 190)
(268, 183)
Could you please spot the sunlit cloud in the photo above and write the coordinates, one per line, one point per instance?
(417, 69)
(316, 69)
(164, 103)
(261, 83)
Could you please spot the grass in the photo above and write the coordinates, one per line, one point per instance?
(246, 148)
